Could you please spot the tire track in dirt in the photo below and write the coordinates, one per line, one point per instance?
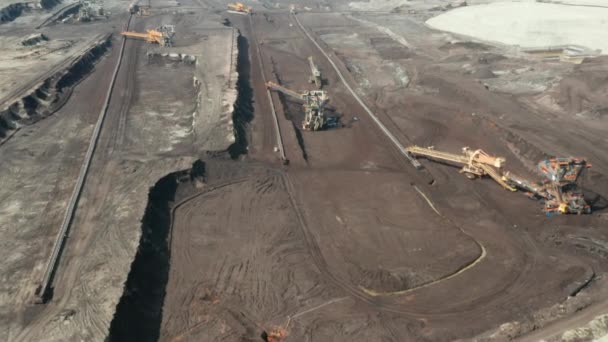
(516, 287)
(181, 203)
(130, 75)
(323, 267)
(277, 128)
(456, 273)
(49, 274)
(52, 311)
(381, 301)
(379, 123)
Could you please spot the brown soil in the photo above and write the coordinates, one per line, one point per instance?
(346, 243)
(342, 246)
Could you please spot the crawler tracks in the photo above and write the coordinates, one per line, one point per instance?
(378, 300)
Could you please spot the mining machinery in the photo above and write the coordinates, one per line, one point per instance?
(162, 35)
(475, 163)
(84, 12)
(315, 76)
(239, 8)
(313, 103)
(276, 334)
(560, 191)
(140, 10)
(88, 11)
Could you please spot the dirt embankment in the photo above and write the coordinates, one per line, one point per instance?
(214, 125)
(12, 11)
(139, 313)
(51, 94)
(243, 105)
(586, 88)
(140, 310)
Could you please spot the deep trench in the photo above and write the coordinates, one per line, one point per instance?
(243, 106)
(138, 315)
(139, 312)
(287, 112)
(85, 65)
(287, 109)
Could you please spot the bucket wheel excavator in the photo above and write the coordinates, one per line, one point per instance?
(315, 76)
(559, 191)
(162, 35)
(313, 103)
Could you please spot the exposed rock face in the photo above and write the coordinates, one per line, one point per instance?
(215, 128)
(34, 39)
(46, 97)
(11, 12)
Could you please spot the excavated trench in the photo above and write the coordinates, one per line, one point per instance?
(243, 106)
(139, 312)
(49, 96)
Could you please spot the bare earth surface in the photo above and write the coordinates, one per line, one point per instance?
(190, 228)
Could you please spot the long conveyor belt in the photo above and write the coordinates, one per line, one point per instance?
(433, 154)
(490, 171)
(459, 159)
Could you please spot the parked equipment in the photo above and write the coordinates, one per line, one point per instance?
(162, 35)
(314, 102)
(239, 8)
(560, 192)
(315, 74)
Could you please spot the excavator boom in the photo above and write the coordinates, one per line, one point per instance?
(281, 89)
(135, 34)
(162, 35)
(313, 103)
(559, 193)
(431, 153)
(497, 177)
(316, 74)
(474, 163)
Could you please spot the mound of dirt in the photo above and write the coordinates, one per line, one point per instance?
(34, 39)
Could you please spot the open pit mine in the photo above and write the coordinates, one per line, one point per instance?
(315, 170)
